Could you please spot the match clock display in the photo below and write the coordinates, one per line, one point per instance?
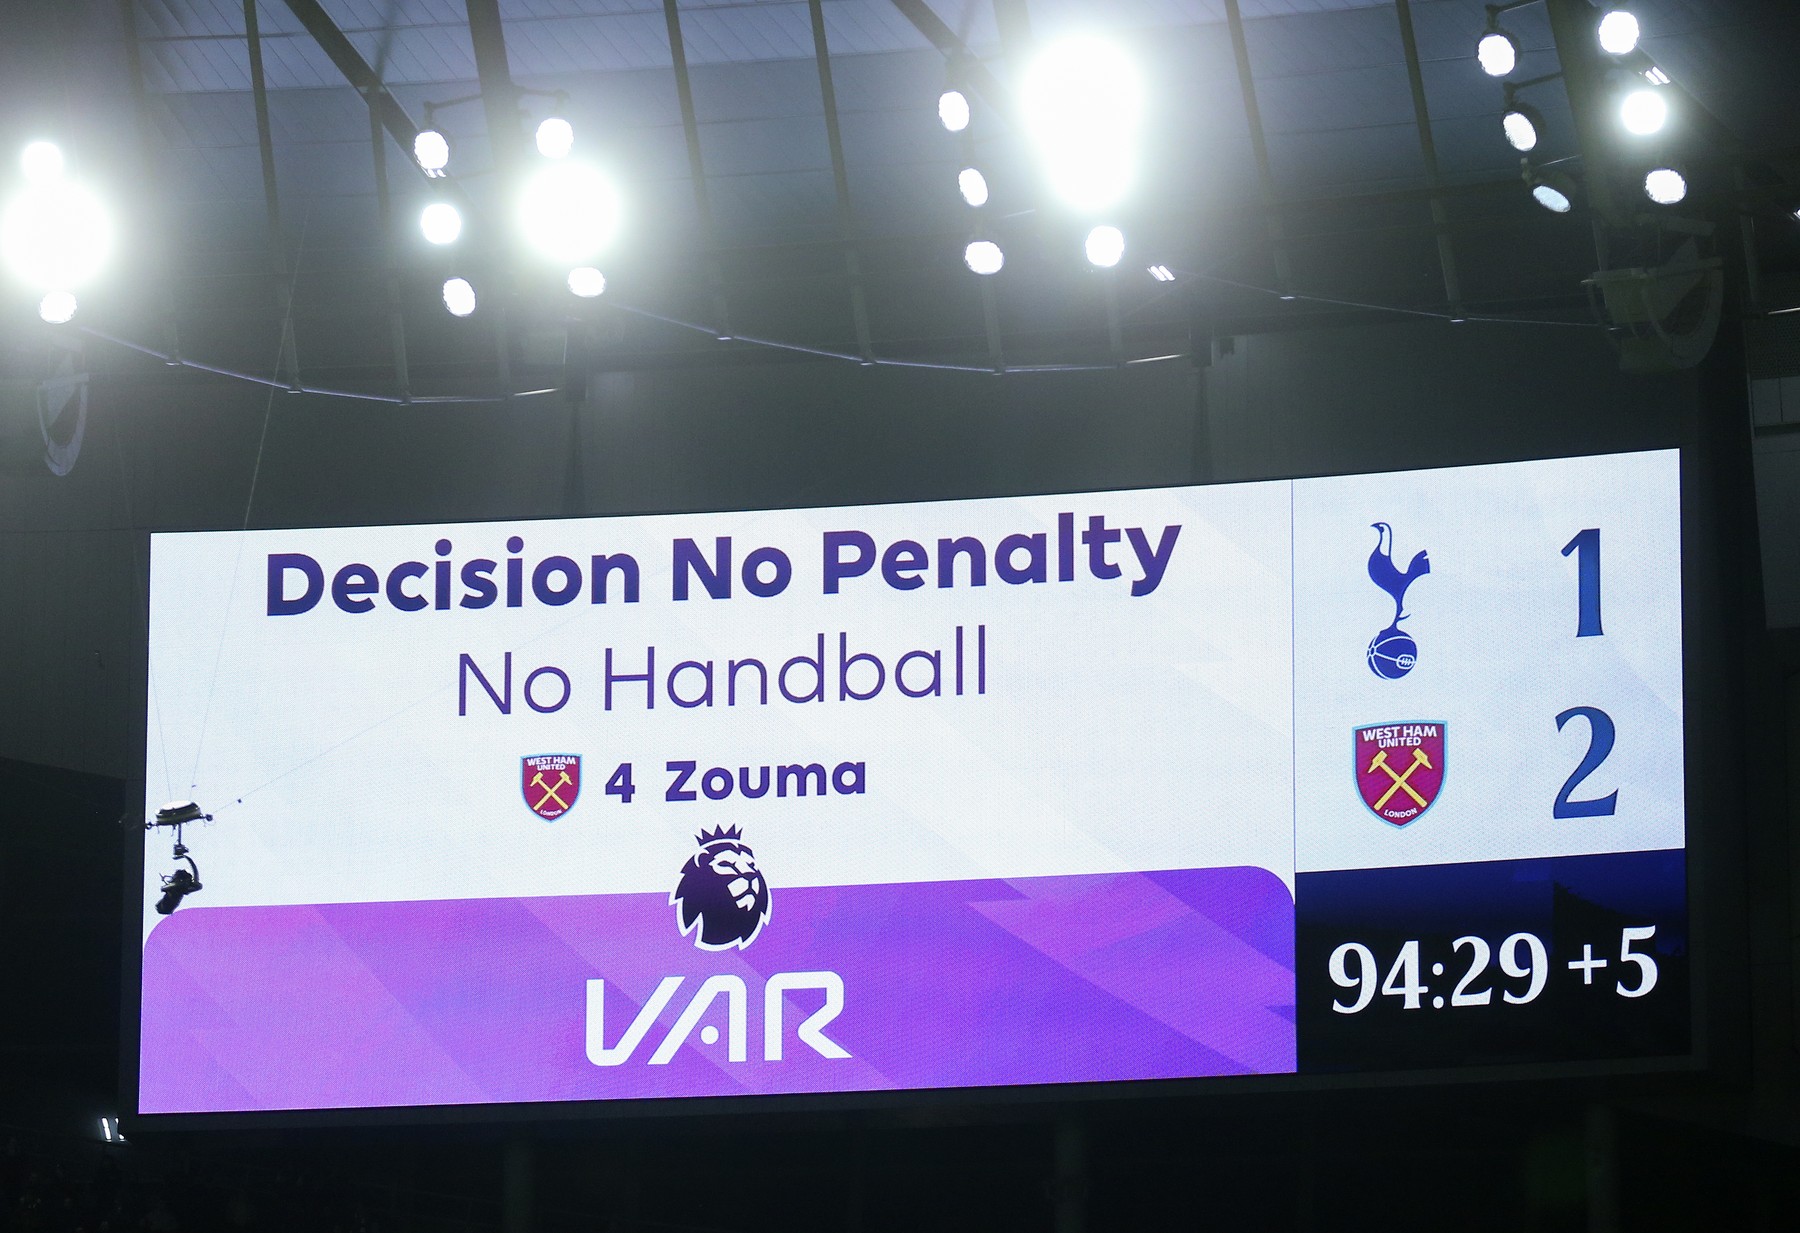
(1516, 739)
(1332, 776)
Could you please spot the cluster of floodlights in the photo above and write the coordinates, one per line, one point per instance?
(1082, 105)
(1641, 106)
(567, 210)
(54, 233)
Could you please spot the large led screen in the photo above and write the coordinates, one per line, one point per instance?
(1327, 776)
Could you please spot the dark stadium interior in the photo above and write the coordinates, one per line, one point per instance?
(790, 323)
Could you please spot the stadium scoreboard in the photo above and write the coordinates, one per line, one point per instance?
(1324, 776)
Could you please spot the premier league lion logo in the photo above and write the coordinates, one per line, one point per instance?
(721, 893)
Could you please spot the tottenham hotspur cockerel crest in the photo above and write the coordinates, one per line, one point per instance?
(721, 898)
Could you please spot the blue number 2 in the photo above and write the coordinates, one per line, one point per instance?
(1600, 743)
(1586, 547)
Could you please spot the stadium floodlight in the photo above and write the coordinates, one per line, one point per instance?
(1523, 126)
(459, 297)
(57, 308)
(555, 137)
(1552, 198)
(973, 186)
(1665, 185)
(953, 110)
(1643, 111)
(42, 162)
(440, 222)
(431, 151)
(1083, 103)
(569, 212)
(56, 236)
(984, 257)
(1162, 273)
(1497, 52)
(1618, 31)
(587, 282)
(1105, 246)
(1656, 76)
(1551, 189)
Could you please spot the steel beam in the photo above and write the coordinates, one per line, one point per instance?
(690, 127)
(1584, 78)
(289, 363)
(1012, 21)
(1259, 146)
(990, 322)
(976, 74)
(690, 122)
(859, 307)
(499, 96)
(384, 203)
(500, 101)
(1440, 218)
(140, 97)
(355, 69)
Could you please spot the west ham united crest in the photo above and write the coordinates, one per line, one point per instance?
(551, 782)
(1400, 768)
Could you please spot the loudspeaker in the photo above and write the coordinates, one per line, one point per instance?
(1664, 317)
(43, 421)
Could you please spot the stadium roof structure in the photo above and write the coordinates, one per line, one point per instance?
(785, 178)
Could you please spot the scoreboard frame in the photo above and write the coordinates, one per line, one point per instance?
(1715, 726)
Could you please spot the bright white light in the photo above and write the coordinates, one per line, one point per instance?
(41, 162)
(1643, 112)
(1554, 200)
(431, 150)
(587, 282)
(569, 212)
(459, 297)
(1618, 33)
(1083, 102)
(953, 110)
(1105, 245)
(1498, 54)
(440, 222)
(973, 186)
(555, 137)
(1521, 133)
(1656, 76)
(984, 257)
(56, 236)
(1665, 186)
(1162, 274)
(57, 307)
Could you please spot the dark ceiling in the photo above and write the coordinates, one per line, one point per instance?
(1344, 221)
(154, 98)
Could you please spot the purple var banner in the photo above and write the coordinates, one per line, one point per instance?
(861, 988)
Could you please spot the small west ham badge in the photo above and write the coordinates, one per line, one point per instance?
(1400, 768)
(551, 782)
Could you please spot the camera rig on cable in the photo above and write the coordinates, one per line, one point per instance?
(183, 882)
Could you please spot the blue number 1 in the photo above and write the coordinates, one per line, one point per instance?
(1586, 546)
